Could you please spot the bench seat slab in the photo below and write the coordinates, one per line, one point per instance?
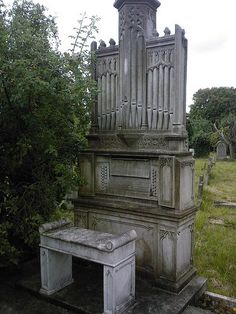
(115, 253)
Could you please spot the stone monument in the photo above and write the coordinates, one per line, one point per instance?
(139, 173)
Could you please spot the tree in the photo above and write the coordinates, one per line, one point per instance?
(45, 100)
(200, 135)
(211, 106)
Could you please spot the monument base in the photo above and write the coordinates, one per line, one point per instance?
(85, 294)
(177, 287)
(164, 247)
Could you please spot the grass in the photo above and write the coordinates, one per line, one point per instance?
(215, 245)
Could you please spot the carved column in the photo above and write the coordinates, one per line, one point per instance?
(137, 24)
(180, 80)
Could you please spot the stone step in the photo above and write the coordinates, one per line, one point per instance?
(85, 295)
(196, 310)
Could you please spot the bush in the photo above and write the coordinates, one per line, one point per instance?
(44, 115)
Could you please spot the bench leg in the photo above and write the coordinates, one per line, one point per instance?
(56, 271)
(119, 286)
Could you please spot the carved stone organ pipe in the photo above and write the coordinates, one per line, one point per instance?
(117, 102)
(103, 102)
(150, 98)
(113, 100)
(140, 79)
(172, 96)
(99, 103)
(160, 100)
(134, 80)
(166, 96)
(108, 101)
(155, 98)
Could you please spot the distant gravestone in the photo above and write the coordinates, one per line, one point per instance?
(192, 150)
(221, 150)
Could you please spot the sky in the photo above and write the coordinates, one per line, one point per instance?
(209, 25)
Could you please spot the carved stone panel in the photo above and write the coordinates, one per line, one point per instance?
(185, 250)
(107, 64)
(102, 174)
(139, 17)
(185, 183)
(130, 177)
(175, 250)
(110, 142)
(107, 79)
(135, 168)
(155, 185)
(86, 162)
(160, 56)
(81, 219)
(167, 181)
(148, 142)
(146, 243)
(167, 253)
(160, 87)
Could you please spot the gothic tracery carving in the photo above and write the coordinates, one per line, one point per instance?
(168, 233)
(107, 65)
(160, 56)
(166, 162)
(149, 142)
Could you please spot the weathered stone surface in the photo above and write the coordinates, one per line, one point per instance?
(137, 168)
(98, 240)
(124, 102)
(196, 310)
(165, 239)
(54, 225)
(221, 150)
(85, 294)
(115, 252)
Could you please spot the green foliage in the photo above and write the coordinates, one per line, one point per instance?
(44, 116)
(200, 137)
(211, 106)
(218, 240)
(214, 104)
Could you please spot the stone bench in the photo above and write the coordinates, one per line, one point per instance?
(59, 242)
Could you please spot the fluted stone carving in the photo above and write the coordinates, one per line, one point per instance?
(141, 82)
(137, 169)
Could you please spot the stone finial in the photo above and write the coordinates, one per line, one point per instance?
(167, 31)
(112, 42)
(102, 44)
(93, 46)
(155, 34)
